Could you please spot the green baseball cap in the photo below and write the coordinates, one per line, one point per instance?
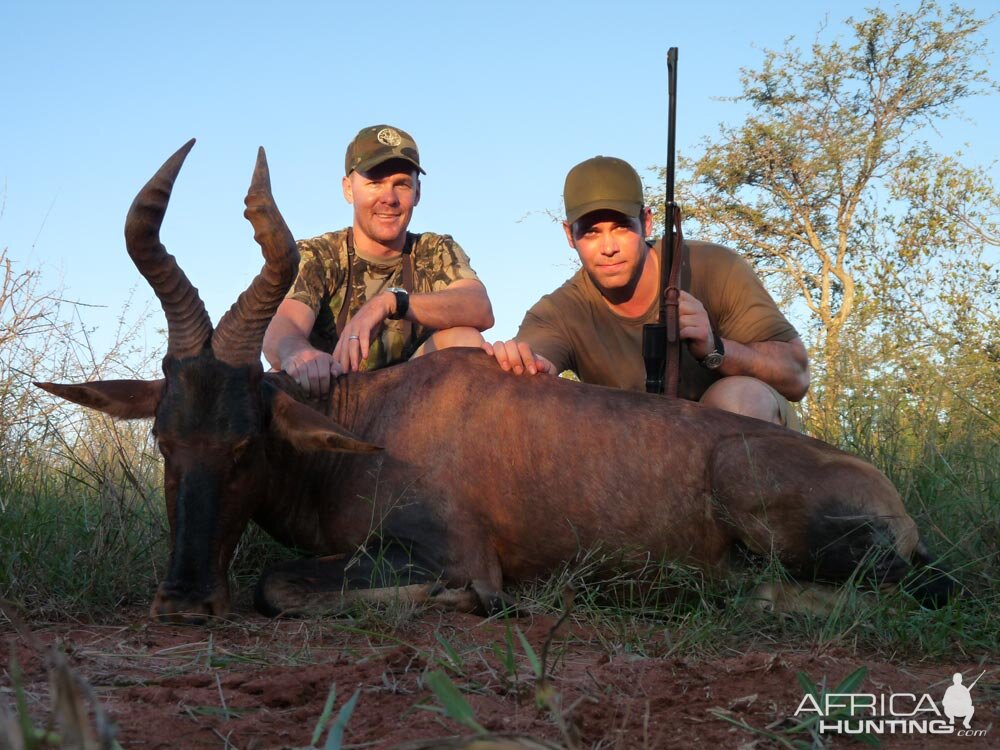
(602, 182)
(379, 143)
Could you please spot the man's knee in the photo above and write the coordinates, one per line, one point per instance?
(449, 338)
(744, 395)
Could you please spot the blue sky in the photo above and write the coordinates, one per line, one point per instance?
(502, 99)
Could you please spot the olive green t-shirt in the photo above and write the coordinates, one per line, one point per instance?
(575, 329)
(322, 280)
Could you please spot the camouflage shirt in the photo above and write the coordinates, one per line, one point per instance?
(437, 261)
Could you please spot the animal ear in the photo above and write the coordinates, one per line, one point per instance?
(308, 430)
(124, 399)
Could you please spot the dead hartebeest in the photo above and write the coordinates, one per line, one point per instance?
(447, 474)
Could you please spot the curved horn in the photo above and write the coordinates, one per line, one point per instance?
(188, 324)
(240, 334)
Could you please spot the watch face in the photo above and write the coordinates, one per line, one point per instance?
(712, 361)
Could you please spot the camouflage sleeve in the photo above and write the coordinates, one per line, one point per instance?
(438, 261)
(541, 331)
(311, 285)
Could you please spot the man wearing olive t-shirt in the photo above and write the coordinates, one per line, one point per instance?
(741, 353)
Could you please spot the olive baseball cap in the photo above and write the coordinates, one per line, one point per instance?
(602, 182)
(378, 143)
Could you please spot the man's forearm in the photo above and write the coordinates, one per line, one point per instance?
(282, 341)
(465, 305)
(783, 365)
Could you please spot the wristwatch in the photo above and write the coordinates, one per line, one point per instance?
(713, 360)
(402, 302)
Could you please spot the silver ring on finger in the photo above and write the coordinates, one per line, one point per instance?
(353, 338)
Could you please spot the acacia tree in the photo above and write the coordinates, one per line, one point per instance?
(829, 187)
(39, 341)
(27, 314)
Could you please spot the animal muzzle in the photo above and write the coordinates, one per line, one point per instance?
(175, 604)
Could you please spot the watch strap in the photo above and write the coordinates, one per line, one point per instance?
(402, 303)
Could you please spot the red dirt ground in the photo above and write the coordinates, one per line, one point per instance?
(263, 684)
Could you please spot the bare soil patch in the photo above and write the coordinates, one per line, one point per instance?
(256, 683)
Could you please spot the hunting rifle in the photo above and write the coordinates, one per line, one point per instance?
(661, 341)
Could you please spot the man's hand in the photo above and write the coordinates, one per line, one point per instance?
(356, 338)
(695, 327)
(287, 347)
(312, 369)
(517, 357)
(784, 365)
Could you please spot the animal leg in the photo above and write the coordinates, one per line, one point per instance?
(480, 564)
(329, 585)
(786, 597)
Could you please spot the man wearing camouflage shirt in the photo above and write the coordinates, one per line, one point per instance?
(374, 294)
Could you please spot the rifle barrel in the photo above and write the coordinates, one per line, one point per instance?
(976, 680)
(667, 243)
(655, 337)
